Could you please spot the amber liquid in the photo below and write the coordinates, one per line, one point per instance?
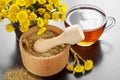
(90, 36)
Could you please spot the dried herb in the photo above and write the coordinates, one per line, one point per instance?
(19, 74)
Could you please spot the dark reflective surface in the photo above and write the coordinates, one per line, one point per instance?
(94, 52)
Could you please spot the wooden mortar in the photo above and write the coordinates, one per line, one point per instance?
(44, 66)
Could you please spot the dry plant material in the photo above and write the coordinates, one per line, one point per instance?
(29, 41)
(19, 74)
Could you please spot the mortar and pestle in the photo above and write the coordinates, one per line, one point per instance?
(47, 66)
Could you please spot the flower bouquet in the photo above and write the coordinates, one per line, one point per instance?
(31, 12)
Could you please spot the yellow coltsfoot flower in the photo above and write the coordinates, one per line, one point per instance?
(70, 66)
(21, 2)
(40, 22)
(32, 16)
(88, 65)
(9, 28)
(26, 13)
(41, 1)
(55, 16)
(22, 15)
(79, 68)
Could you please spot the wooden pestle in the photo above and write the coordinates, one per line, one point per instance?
(70, 35)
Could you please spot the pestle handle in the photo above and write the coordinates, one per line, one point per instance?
(71, 35)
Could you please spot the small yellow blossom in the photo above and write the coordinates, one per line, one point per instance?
(25, 24)
(41, 11)
(22, 16)
(47, 15)
(2, 3)
(55, 16)
(63, 9)
(40, 22)
(88, 65)
(9, 28)
(49, 7)
(4, 13)
(79, 68)
(7, 1)
(32, 16)
(12, 17)
(50, 1)
(41, 31)
(21, 2)
(14, 8)
(70, 66)
(30, 2)
(41, 1)
(56, 2)
(23, 29)
(28, 11)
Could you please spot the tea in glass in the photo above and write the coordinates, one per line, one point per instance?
(92, 19)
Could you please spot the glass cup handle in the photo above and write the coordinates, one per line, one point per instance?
(110, 23)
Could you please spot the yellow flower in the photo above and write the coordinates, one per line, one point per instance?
(70, 66)
(47, 15)
(21, 2)
(88, 65)
(79, 68)
(50, 1)
(28, 11)
(23, 29)
(14, 8)
(32, 16)
(9, 28)
(29, 2)
(41, 11)
(0, 17)
(40, 22)
(25, 25)
(7, 1)
(41, 31)
(2, 2)
(49, 7)
(22, 16)
(12, 17)
(55, 16)
(56, 2)
(4, 13)
(62, 9)
(41, 1)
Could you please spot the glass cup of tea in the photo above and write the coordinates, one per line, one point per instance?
(92, 19)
